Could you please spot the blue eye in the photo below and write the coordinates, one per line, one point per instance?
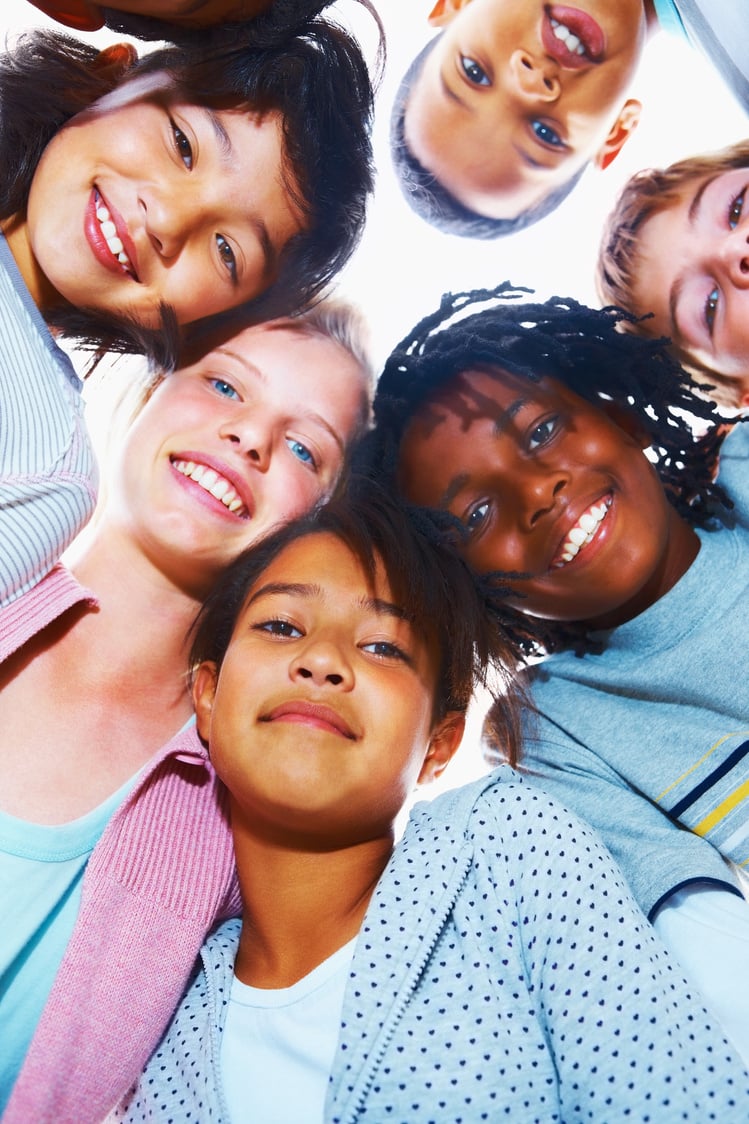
(547, 135)
(224, 388)
(226, 254)
(182, 144)
(477, 516)
(279, 628)
(542, 433)
(735, 210)
(711, 306)
(300, 451)
(475, 74)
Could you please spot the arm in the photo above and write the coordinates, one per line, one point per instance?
(629, 1040)
(47, 467)
(707, 930)
(654, 854)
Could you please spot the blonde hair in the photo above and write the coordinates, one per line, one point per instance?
(648, 193)
(330, 318)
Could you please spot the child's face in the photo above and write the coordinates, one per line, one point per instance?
(320, 723)
(503, 113)
(549, 486)
(88, 17)
(143, 204)
(250, 436)
(693, 266)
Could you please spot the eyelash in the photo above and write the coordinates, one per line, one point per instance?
(546, 134)
(547, 427)
(227, 256)
(392, 652)
(475, 73)
(735, 209)
(711, 307)
(312, 462)
(181, 144)
(217, 384)
(277, 626)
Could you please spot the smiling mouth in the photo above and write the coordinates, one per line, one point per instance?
(574, 45)
(213, 483)
(572, 36)
(111, 237)
(583, 532)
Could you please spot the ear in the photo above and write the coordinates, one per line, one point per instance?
(619, 134)
(445, 739)
(203, 694)
(444, 11)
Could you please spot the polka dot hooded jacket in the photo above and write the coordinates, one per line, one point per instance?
(503, 972)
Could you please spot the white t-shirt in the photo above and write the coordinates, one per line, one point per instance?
(278, 1045)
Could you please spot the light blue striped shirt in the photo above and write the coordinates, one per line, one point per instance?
(48, 472)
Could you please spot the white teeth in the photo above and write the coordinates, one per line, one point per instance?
(583, 532)
(218, 486)
(109, 231)
(570, 40)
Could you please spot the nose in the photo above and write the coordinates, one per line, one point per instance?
(322, 662)
(540, 494)
(535, 78)
(734, 253)
(250, 435)
(168, 216)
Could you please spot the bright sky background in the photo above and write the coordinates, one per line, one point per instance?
(403, 266)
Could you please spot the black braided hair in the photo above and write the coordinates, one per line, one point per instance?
(582, 348)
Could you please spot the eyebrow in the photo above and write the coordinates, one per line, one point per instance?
(459, 481)
(309, 590)
(674, 293)
(270, 254)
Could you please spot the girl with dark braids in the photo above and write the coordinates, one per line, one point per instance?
(576, 464)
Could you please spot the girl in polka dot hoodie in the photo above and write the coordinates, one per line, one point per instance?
(492, 964)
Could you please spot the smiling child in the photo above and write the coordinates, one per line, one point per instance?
(527, 425)
(333, 666)
(676, 252)
(500, 114)
(112, 834)
(142, 207)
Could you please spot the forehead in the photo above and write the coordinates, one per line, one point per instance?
(322, 566)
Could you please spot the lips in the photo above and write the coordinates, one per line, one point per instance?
(217, 480)
(571, 37)
(585, 529)
(106, 234)
(307, 713)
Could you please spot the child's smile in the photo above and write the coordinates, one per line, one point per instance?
(548, 487)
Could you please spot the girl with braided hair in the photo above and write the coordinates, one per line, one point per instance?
(563, 456)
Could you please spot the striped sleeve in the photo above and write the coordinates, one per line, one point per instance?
(47, 466)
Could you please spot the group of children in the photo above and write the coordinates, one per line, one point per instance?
(295, 593)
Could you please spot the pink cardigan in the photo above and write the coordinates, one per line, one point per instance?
(158, 880)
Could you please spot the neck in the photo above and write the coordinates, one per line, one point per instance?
(16, 234)
(300, 905)
(132, 590)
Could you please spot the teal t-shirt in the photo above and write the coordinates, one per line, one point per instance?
(41, 875)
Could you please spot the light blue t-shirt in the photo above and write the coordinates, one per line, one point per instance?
(41, 875)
